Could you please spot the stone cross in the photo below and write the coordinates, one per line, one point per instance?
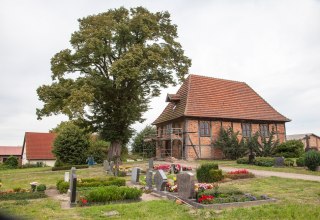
(151, 164)
(160, 180)
(186, 182)
(279, 162)
(73, 189)
(66, 177)
(135, 175)
(149, 176)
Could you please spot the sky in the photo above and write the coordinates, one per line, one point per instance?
(272, 45)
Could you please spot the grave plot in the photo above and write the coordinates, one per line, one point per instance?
(202, 190)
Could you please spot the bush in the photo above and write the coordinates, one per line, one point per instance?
(113, 193)
(71, 145)
(68, 167)
(41, 188)
(91, 182)
(300, 162)
(62, 186)
(215, 176)
(290, 149)
(12, 162)
(312, 160)
(288, 162)
(264, 161)
(22, 195)
(203, 175)
(243, 160)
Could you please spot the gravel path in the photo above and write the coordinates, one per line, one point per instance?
(262, 173)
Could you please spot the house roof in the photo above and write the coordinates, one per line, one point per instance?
(10, 150)
(300, 136)
(208, 97)
(39, 145)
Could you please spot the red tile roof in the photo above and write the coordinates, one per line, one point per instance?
(208, 97)
(39, 145)
(8, 151)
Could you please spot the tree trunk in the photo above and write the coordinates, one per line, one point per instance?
(114, 153)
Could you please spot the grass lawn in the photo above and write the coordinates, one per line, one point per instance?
(298, 199)
(233, 163)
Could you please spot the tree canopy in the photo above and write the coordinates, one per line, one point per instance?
(139, 144)
(118, 61)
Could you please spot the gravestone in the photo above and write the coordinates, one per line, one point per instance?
(72, 172)
(185, 182)
(173, 168)
(278, 161)
(111, 164)
(106, 165)
(66, 177)
(149, 176)
(151, 163)
(135, 175)
(73, 189)
(160, 180)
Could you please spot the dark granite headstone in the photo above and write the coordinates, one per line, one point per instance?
(160, 180)
(149, 176)
(185, 182)
(73, 189)
(278, 161)
(72, 172)
(151, 163)
(135, 175)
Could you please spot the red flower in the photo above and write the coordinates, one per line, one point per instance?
(244, 171)
(204, 198)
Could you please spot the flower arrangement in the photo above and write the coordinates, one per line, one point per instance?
(205, 199)
(83, 201)
(244, 171)
(199, 187)
(172, 187)
(164, 167)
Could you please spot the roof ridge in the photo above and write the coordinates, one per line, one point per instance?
(266, 102)
(217, 78)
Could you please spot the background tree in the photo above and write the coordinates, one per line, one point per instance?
(139, 144)
(71, 145)
(290, 149)
(98, 149)
(267, 146)
(120, 60)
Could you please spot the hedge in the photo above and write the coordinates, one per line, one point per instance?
(63, 187)
(264, 161)
(22, 195)
(243, 160)
(205, 173)
(113, 193)
(69, 167)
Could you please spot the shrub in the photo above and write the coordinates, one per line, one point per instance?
(300, 161)
(58, 163)
(289, 162)
(113, 193)
(41, 188)
(68, 167)
(290, 149)
(17, 189)
(62, 186)
(203, 175)
(264, 161)
(312, 160)
(22, 196)
(215, 176)
(12, 162)
(243, 160)
(229, 144)
(71, 145)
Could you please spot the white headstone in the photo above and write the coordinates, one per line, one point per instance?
(66, 176)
